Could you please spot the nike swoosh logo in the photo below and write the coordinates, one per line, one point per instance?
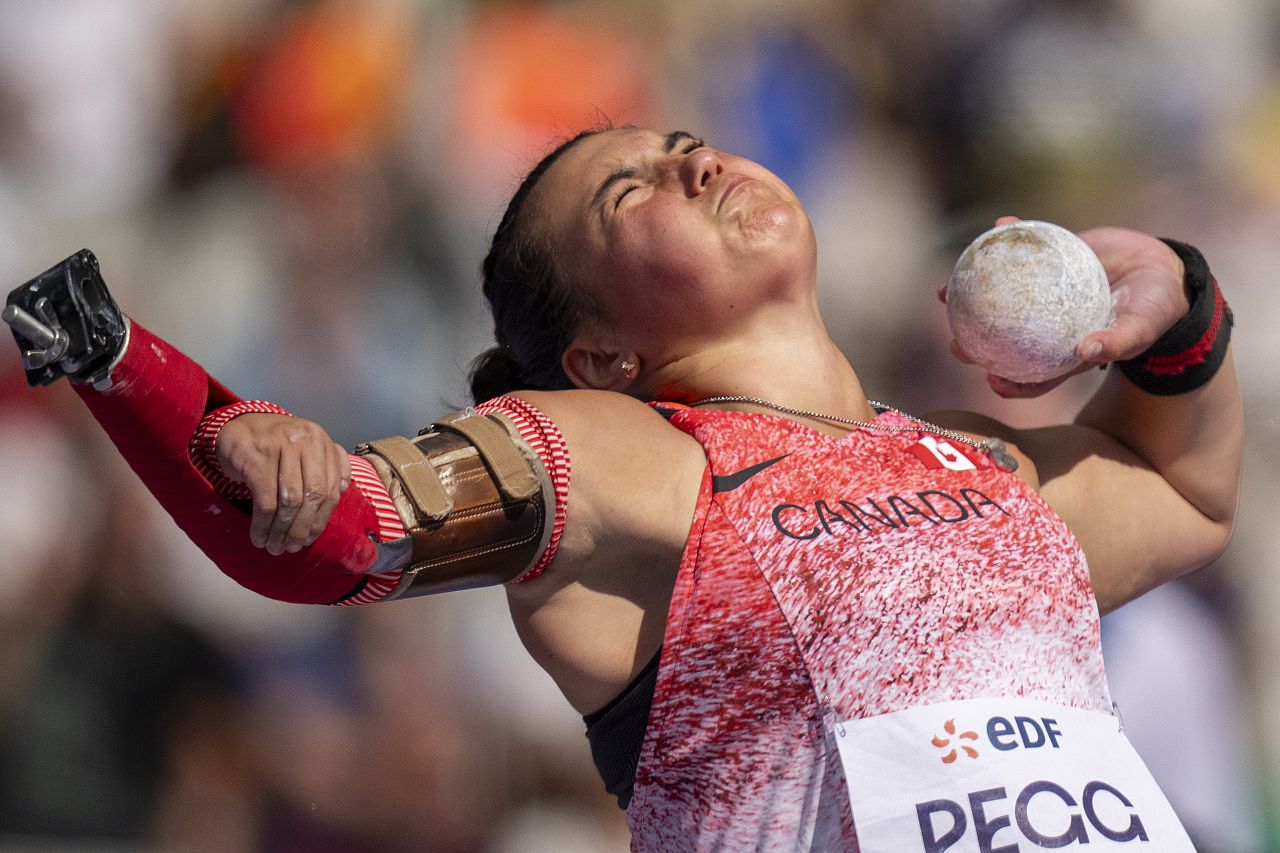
(729, 482)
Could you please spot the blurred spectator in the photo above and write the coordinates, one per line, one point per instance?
(97, 681)
(85, 91)
(525, 74)
(331, 269)
(786, 102)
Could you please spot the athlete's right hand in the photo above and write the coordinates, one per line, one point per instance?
(295, 471)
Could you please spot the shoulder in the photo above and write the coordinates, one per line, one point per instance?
(628, 463)
(1058, 461)
(631, 498)
(1064, 462)
(607, 424)
(580, 406)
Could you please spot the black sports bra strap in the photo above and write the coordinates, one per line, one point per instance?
(616, 732)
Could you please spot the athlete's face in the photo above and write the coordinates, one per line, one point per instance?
(670, 237)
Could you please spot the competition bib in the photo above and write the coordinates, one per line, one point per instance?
(1001, 776)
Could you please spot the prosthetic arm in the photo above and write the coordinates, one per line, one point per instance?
(473, 492)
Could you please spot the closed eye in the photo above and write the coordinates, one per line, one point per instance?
(688, 144)
(617, 200)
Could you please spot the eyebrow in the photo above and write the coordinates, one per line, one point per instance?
(675, 137)
(669, 143)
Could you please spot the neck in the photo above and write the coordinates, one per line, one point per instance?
(794, 364)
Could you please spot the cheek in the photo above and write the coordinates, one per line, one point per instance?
(650, 311)
(662, 286)
(662, 250)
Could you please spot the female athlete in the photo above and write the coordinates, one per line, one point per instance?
(792, 617)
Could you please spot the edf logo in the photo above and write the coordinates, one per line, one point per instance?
(1003, 734)
(1023, 732)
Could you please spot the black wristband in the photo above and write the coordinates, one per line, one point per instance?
(1191, 352)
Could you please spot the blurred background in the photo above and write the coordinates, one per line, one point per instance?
(299, 194)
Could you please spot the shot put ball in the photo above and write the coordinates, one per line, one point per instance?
(1023, 296)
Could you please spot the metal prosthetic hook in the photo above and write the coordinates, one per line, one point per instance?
(65, 323)
(50, 339)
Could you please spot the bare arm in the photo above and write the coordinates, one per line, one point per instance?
(598, 615)
(1147, 483)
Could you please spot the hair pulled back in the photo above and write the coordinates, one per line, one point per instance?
(536, 310)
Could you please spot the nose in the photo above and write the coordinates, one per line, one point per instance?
(698, 168)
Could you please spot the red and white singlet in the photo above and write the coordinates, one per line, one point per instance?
(829, 580)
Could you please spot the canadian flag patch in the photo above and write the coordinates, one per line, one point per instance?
(937, 452)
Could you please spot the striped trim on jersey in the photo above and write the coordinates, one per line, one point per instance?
(541, 434)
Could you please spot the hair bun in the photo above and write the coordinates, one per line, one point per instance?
(494, 373)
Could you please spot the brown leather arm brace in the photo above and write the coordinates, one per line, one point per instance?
(474, 498)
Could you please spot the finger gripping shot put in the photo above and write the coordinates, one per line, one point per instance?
(790, 618)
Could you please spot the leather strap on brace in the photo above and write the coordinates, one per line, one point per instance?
(474, 498)
(509, 466)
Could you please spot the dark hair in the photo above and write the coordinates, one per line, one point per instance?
(536, 310)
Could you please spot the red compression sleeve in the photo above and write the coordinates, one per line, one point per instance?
(364, 477)
(157, 400)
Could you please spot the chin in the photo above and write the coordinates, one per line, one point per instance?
(783, 231)
(779, 222)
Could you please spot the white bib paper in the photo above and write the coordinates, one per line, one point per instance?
(1001, 776)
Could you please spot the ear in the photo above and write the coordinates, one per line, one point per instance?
(591, 364)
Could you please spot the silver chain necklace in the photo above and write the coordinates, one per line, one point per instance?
(995, 448)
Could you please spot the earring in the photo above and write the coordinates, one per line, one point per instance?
(628, 368)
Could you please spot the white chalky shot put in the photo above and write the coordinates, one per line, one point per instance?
(1023, 296)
